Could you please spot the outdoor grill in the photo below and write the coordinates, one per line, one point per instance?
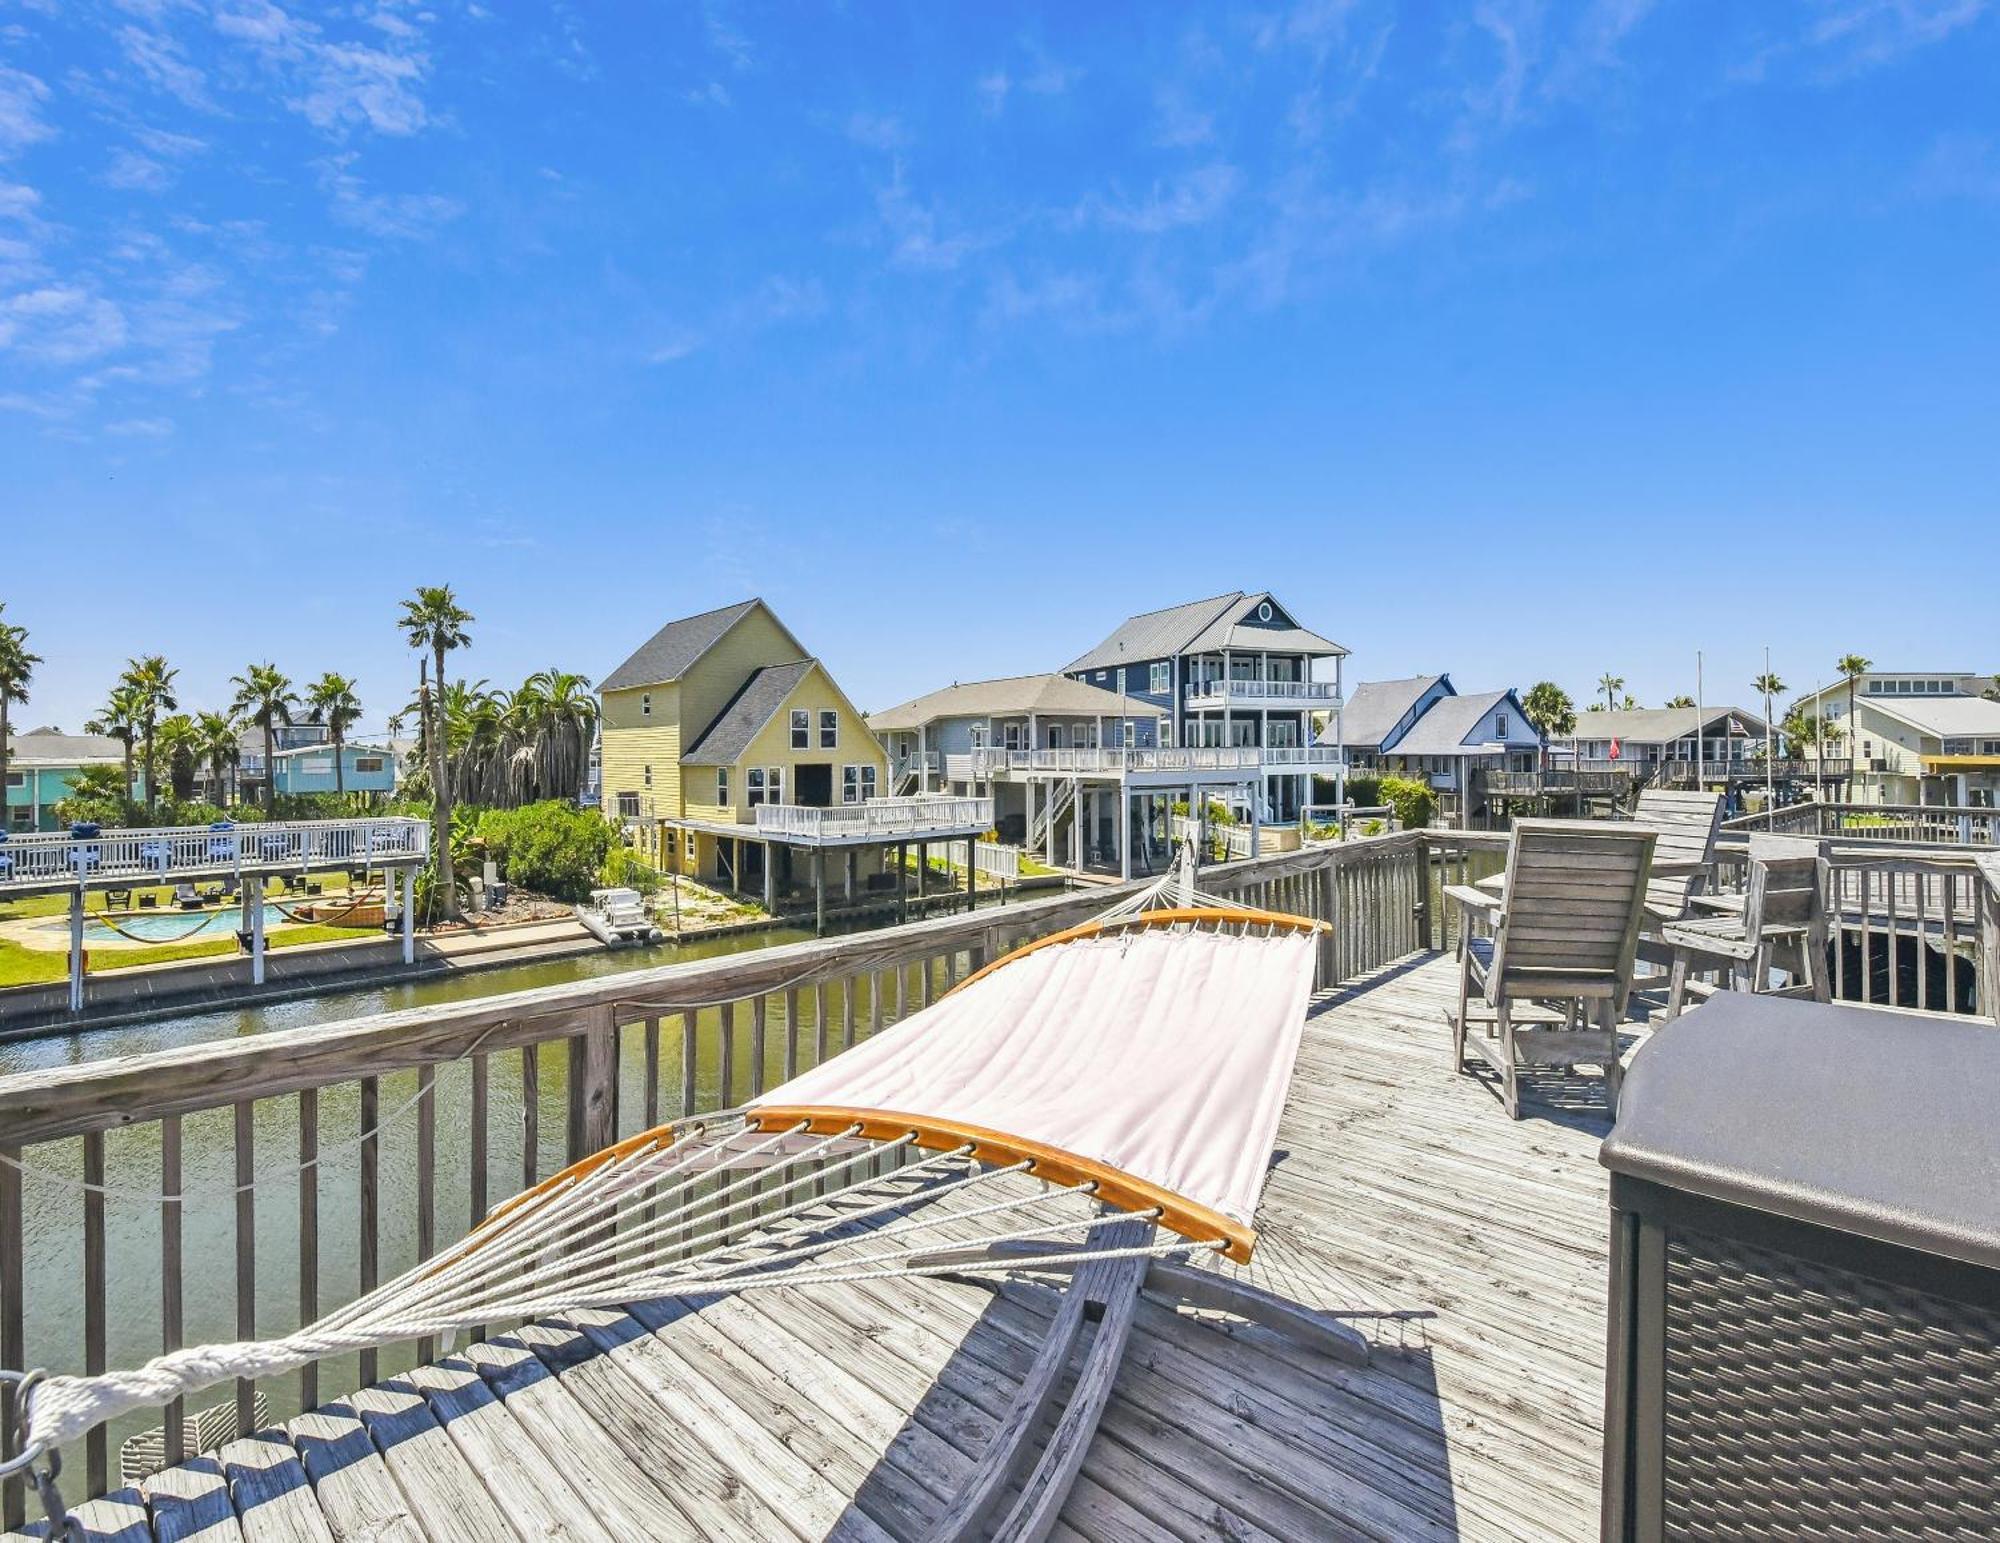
(1805, 1277)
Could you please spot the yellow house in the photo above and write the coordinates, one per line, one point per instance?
(715, 716)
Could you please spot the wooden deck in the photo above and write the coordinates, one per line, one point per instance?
(1470, 1249)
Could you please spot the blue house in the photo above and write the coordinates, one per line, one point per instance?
(310, 769)
(1423, 727)
(1232, 671)
(41, 765)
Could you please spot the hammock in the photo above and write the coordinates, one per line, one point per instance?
(1136, 1066)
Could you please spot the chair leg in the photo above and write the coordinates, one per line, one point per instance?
(1458, 1018)
(1614, 1069)
(1677, 986)
(1510, 1085)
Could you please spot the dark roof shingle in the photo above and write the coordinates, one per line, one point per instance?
(723, 742)
(668, 653)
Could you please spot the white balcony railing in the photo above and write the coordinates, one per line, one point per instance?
(164, 853)
(878, 819)
(967, 766)
(1259, 693)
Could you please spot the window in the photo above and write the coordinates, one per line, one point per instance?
(979, 735)
(368, 763)
(857, 784)
(1011, 736)
(774, 784)
(1160, 678)
(1166, 732)
(646, 772)
(756, 789)
(1263, 610)
(1500, 728)
(801, 729)
(17, 779)
(645, 704)
(1131, 733)
(628, 805)
(722, 784)
(829, 728)
(1103, 675)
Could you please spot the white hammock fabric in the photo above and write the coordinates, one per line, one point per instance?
(1158, 1052)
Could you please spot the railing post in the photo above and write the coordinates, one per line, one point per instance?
(1987, 982)
(1423, 893)
(593, 1085)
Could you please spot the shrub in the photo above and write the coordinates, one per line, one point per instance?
(626, 869)
(553, 848)
(1412, 800)
(1365, 792)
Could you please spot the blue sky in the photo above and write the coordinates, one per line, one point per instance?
(1511, 339)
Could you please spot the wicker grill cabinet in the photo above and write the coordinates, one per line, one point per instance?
(1805, 1277)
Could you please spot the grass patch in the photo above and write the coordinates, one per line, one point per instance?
(35, 966)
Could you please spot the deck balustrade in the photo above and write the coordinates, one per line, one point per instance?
(878, 819)
(171, 853)
(1316, 694)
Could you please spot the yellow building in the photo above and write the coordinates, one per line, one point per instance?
(716, 716)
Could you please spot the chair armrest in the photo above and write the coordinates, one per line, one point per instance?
(1475, 899)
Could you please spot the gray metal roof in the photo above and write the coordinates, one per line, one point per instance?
(1198, 624)
(1377, 706)
(1656, 725)
(1450, 725)
(1012, 696)
(668, 653)
(723, 742)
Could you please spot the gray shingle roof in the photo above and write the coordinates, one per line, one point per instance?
(1656, 725)
(1450, 726)
(1377, 706)
(64, 749)
(723, 742)
(1213, 623)
(668, 653)
(1015, 695)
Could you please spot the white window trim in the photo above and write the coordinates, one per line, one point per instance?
(801, 729)
(829, 728)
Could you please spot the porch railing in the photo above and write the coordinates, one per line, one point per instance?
(877, 818)
(235, 1161)
(166, 853)
(1292, 693)
(1906, 824)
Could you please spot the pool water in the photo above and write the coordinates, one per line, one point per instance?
(169, 926)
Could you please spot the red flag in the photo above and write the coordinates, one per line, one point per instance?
(1615, 751)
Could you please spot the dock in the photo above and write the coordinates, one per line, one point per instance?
(1470, 1249)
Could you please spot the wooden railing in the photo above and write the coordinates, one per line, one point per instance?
(878, 818)
(251, 1184)
(1905, 824)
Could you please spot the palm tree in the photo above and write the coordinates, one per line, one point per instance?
(1610, 685)
(153, 683)
(264, 695)
(434, 619)
(217, 734)
(118, 719)
(331, 700)
(180, 748)
(1682, 700)
(17, 667)
(1853, 666)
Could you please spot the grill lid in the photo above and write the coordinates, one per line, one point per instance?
(1880, 1123)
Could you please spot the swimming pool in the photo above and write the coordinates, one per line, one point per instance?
(168, 926)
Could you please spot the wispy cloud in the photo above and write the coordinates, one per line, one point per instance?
(133, 172)
(1841, 39)
(60, 324)
(1192, 198)
(21, 122)
(159, 58)
(141, 428)
(392, 216)
(917, 235)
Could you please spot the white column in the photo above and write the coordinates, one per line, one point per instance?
(253, 907)
(76, 950)
(409, 914)
(923, 760)
(1124, 832)
(1257, 817)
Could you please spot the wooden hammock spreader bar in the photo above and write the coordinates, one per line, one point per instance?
(1224, 915)
(1112, 1186)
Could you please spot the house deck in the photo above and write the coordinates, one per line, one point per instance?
(1469, 1248)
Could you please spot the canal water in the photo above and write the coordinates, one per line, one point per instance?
(54, 1202)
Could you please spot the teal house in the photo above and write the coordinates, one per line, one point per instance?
(310, 769)
(41, 765)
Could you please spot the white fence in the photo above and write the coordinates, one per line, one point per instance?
(1289, 693)
(967, 766)
(156, 855)
(877, 820)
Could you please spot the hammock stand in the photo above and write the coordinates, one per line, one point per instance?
(788, 1192)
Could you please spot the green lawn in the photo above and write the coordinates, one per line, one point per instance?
(35, 966)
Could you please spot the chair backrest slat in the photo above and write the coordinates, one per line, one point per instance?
(1575, 897)
(1686, 824)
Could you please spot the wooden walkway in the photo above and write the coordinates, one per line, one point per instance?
(1469, 1248)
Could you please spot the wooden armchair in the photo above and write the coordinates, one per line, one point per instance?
(1687, 825)
(1549, 982)
(1782, 926)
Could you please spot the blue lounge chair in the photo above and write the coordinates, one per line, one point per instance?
(87, 855)
(6, 861)
(222, 842)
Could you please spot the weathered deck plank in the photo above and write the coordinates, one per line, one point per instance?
(1469, 1248)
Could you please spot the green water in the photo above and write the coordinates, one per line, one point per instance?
(53, 1204)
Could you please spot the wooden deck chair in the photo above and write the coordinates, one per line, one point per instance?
(1782, 926)
(1686, 824)
(1550, 981)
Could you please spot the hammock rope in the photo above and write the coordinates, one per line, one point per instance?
(654, 1223)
